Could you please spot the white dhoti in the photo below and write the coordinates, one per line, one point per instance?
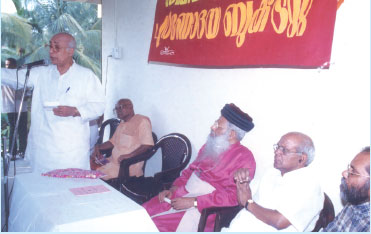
(195, 187)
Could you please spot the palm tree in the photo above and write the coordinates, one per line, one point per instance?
(16, 34)
(39, 20)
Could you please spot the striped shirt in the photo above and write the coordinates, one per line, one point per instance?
(353, 218)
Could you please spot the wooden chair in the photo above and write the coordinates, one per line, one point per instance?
(224, 216)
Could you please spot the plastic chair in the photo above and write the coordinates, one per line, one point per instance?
(224, 216)
(113, 124)
(115, 182)
(326, 216)
(176, 153)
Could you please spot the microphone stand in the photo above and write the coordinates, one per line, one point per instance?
(19, 115)
(5, 169)
(6, 160)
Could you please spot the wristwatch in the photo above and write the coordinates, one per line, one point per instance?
(248, 202)
(195, 202)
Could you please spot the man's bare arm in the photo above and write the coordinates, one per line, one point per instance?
(139, 150)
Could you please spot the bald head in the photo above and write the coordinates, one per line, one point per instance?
(61, 50)
(124, 109)
(67, 38)
(125, 101)
(304, 144)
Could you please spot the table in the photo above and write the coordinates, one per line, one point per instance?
(22, 166)
(41, 203)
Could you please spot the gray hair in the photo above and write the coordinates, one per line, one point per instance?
(239, 132)
(367, 150)
(72, 42)
(306, 146)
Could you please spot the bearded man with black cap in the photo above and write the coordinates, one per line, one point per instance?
(208, 181)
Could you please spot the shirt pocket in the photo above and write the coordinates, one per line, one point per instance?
(71, 97)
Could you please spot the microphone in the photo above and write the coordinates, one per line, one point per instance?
(33, 64)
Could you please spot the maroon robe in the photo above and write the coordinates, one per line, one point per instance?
(220, 176)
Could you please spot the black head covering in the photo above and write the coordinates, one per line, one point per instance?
(237, 117)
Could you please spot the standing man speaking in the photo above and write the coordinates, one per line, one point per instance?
(65, 97)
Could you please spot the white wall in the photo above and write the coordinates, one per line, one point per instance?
(332, 106)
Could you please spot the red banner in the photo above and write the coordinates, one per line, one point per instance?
(235, 33)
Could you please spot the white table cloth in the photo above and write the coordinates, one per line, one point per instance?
(22, 166)
(40, 203)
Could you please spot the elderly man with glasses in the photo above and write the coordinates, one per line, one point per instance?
(132, 137)
(289, 197)
(66, 96)
(355, 191)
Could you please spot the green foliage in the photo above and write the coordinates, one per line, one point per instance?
(24, 35)
(15, 31)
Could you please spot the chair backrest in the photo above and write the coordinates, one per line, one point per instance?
(176, 150)
(176, 153)
(326, 216)
(154, 137)
(112, 123)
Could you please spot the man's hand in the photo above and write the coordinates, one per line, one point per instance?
(243, 193)
(96, 153)
(163, 194)
(241, 177)
(181, 203)
(167, 193)
(66, 111)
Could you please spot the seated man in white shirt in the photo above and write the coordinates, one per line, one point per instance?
(289, 198)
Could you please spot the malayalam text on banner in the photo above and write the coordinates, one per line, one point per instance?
(233, 33)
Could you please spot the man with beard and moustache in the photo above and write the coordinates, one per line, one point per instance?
(208, 181)
(288, 198)
(133, 136)
(355, 190)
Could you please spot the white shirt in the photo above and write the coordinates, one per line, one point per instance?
(297, 196)
(60, 142)
(10, 98)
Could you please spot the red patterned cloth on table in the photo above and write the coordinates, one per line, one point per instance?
(74, 173)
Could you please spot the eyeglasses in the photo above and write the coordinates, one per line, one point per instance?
(284, 150)
(216, 124)
(350, 172)
(56, 48)
(121, 107)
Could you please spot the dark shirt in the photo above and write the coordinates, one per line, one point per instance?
(353, 218)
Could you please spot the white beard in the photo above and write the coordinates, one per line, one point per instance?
(215, 146)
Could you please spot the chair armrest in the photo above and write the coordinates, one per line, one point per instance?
(126, 163)
(226, 212)
(159, 176)
(106, 153)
